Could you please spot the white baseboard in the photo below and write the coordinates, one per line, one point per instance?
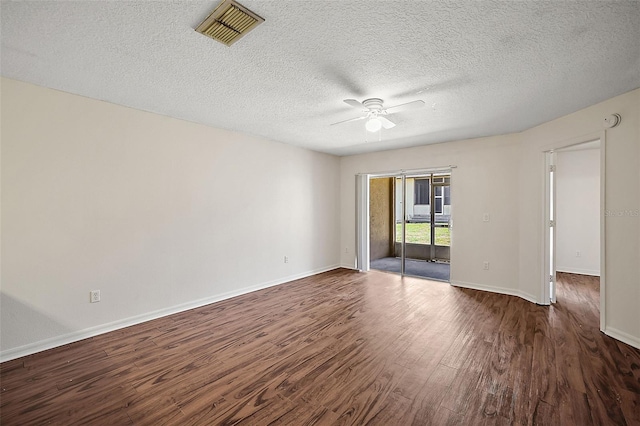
(500, 290)
(609, 331)
(622, 336)
(351, 267)
(592, 272)
(75, 336)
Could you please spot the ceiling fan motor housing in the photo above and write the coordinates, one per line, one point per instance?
(373, 103)
(375, 110)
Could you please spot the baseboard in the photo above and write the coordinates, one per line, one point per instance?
(622, 336)
(591, 272)
(351, 267)
(75, 336)
(500, 290)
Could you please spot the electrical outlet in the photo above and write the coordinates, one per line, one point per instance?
(286, 259)
(486, 217)
(94, 296)
(577, 254)
(346, 249)
(486, 265)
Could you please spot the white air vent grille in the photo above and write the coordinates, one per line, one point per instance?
(229, 22)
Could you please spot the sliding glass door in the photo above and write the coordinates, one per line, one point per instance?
(422, 209)
(409, 224)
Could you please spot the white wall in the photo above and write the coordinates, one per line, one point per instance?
(578, 211)
(622, 204)
(504, 176)
(484, 181)
(157, 213)
(98, 196)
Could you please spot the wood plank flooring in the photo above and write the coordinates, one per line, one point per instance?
(342, 348)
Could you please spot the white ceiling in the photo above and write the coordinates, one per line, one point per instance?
(483, 68)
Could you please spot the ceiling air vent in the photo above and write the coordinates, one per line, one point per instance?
(229, 22)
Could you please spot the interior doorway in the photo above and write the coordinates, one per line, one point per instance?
(574, 213)
(410, 224)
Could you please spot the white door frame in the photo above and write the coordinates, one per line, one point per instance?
(547, 150)
(362, 209)
(549, 294)
(362, 222)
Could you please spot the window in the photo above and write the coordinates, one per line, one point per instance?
(441, 179)
(438, 199)
(421, 191)
(442, 197)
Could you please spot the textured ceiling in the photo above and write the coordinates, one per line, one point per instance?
(483, 68)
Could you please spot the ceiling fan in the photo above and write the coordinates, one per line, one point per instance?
(376, 115)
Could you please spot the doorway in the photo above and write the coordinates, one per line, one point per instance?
(410, 224)
(574, 213)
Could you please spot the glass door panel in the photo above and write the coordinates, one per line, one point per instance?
(400, 229)
(418, 231)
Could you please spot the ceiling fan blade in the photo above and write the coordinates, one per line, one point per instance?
(353, 103)
(386, 123)
(404, 107)
(349, 120)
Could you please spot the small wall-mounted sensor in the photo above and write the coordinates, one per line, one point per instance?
(611, 121)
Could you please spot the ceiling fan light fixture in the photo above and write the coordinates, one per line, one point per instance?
(376, 115)
(373, 125)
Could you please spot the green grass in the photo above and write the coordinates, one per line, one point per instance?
(420, 233)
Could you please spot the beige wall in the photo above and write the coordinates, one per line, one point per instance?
(381, 232)
(483, 182)
(578, 211)
(504, 176)
(622, 194)
(145, 208)
(157, 213)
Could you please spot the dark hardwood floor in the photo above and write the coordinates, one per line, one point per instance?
(342, 348)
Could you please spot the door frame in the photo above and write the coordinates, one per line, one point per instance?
(433, 212)
(550, 208)
(545, 296)
(363, 259)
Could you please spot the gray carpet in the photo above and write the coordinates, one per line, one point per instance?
(418, 268)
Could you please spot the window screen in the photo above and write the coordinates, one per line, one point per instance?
(421, 191)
